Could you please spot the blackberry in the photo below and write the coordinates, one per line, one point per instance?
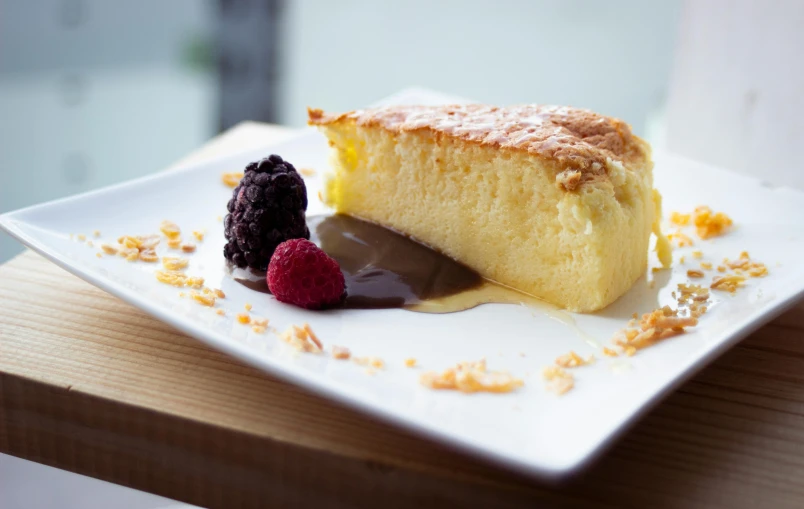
(267, 208)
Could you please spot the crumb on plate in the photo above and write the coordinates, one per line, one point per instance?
(231, 178)
(470, 377)
(175, 278)
(710, 224)
(302, 339)
(170, 229)
(573, 360)
(174, 262)
(374, 362)
(340, 352)
(559, 381)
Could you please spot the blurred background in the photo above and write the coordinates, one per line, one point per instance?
(94, 92)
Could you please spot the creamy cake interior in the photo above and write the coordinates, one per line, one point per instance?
(556, 202)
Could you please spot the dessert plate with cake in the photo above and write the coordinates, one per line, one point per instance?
(521, 282)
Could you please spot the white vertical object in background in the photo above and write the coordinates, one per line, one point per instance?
(737, 92)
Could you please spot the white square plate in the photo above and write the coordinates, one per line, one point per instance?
(529, 430)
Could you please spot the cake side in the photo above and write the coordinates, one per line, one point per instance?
(501, 212)
(575, 142)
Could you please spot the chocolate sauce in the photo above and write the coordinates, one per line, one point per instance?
(384, 269)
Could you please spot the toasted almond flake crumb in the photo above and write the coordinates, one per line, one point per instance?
(374, 362)
(312, 336)
(174, 243)
(175, 278)
(199, 235)
(231, 178)
(681, 260)
(307, 172)
(90, 243)
(706, 265)
(220, 311)
(729, 282)
(261, 322)
(571, 360)
(258, 329)
(410, 362)
(188, 247)
(96, 233)
(129, 241)
(320, 196)
(243, 318)
(148, 256)
(340, 352)
(680, 219)
(697, 255)
(370, 371)
(682, 239)
(174, 262)
(745, 265)
(758, 272)
(300, 339)
(247, 306)
(695, 273)
(170, 229)
(182, 294)
(206, 299)
(710, 224)
(469, 377)
(608, 352)
(148, 241)
(132, 255)
(98, 255)
(664, 322)
(558, 380)
(219, 293)
(721, 268)
(82, 237)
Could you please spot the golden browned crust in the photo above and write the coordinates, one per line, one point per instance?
(578, 142)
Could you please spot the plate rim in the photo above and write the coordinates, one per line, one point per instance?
(11, 223)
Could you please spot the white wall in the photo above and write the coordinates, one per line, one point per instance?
(612, 56)
(97, 92)
(737, 98)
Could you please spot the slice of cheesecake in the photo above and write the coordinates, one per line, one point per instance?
(556, 202)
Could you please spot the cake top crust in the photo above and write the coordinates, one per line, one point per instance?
(577, 141)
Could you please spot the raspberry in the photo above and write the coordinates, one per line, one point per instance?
(302, 274)
(267, 208)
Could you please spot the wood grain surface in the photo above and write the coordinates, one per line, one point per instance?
(93, 385)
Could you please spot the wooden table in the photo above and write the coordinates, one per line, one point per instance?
(95, 386)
